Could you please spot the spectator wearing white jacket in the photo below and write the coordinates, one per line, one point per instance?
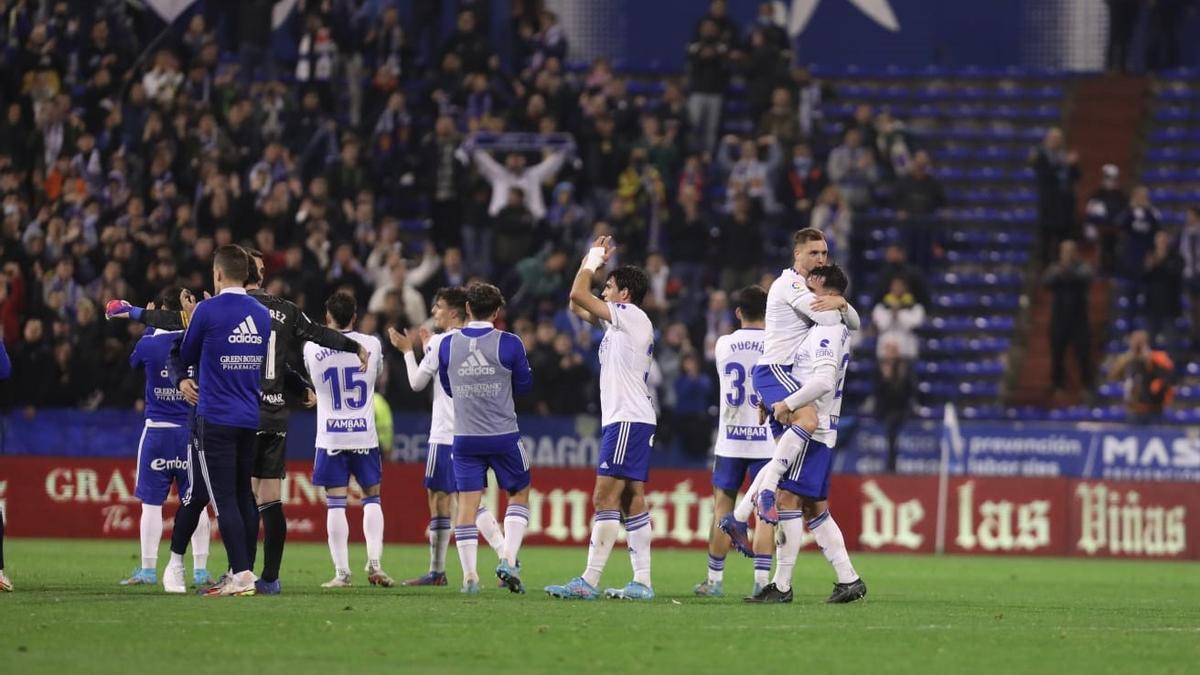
(896, 318)
(513, 174)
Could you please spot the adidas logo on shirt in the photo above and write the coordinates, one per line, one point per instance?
(475, 364)
(246, 333)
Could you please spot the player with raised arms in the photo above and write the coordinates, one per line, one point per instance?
(821, 363)
(162, 457)
(347, 443)
(481, 369)
(743, 443)
(449, 316)
(792, 309)
(628, 423)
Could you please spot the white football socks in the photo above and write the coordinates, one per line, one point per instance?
(466, 538)
(373, 530)
(833, 545)
(339, 534)
(637, 531)
(516, 520)
(201, 539)
(486, 524)
(151, 534)
(606, 525)
(791, 523)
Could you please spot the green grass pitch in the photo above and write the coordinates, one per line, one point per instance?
(923, 615)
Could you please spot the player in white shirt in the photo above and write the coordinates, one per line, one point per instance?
(628, 424)
(743, 442)
(347, 443)
(449, 315)
(792, 309)
(821, 363)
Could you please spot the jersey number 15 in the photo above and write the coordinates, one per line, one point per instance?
(349, 381)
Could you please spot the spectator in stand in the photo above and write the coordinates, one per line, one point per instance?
(780, 120)
(1104, 208)
(541, 283)
(896, 266)
(604, 157)
(1149, 379)
(1122, 20)
(469, 44)
(660, 149)
(919, 193)
(1167, 18)
(752, 173)
(442, 178)
(691, 235)
(515, 231)
(693, 394)
(708, 77)
(1162, 287)
(852, 168)
(718, 13)
(832, 217)
(403, 286)
(1139, 224)
(1056, 169)
(1189, 249)
(513, 175)
(894, 388)
(1069, 280)
(892, 146)
(718, 321)
(741, 250)
(804, 180)
(896, 318)
(568, 221)
(764, 68)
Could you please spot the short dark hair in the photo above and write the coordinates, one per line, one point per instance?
(252, 275)
(752, 301)
(454, 297)
(806, 235)
(833, 275)
(483, 300)
(342, 307)
(233, 262)
(632, 279)
(169, 299)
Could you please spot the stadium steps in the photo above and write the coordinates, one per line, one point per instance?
(1097, 107)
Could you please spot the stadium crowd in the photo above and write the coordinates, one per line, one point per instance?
(391, 165)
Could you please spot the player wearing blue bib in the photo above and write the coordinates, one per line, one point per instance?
(628, 424)
(162, 457)
(449, 316)
(482, 369)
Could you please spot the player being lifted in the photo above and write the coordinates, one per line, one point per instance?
(743, 445)
(449, 315)
(821, 364)
(290, 329)
(163, 450)
(628, 424)
(346, 440)
(792, 309)
(481, 368)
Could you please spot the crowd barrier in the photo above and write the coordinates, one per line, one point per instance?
(93, 497)
(978, 448)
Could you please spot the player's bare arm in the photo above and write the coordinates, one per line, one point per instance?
(581, 290)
